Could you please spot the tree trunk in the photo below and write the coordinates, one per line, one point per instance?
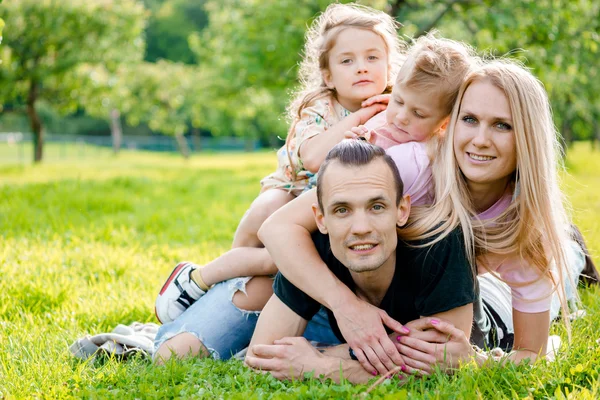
(182, 144)
(115, 130)
(196, 140)
(36, 122)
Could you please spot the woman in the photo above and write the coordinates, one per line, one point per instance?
(496, 177)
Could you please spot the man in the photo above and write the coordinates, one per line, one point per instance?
(360, 204)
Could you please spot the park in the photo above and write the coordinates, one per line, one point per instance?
(89, 233)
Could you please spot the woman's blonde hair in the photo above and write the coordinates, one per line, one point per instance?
(437, 66)
(320, 39)
(535, 225)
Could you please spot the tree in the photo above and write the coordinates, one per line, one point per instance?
(49, 39)
(165, 95)
(169, 26)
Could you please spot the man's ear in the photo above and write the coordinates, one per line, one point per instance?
(403, 210)
(319, 218)
(327, 78)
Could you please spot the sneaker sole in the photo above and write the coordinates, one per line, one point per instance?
(173, 275)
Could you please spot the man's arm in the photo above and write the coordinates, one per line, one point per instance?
(293, 357)
(275, 322)
(287, 236)
(272, 350)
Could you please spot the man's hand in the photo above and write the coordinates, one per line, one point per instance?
(362, 325)
(288, 358)
(433, 342)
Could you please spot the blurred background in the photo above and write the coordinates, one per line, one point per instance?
(80, 78)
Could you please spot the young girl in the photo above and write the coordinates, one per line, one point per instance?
(419, 107)
(352, 53)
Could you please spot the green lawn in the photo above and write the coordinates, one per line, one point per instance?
(85, 244)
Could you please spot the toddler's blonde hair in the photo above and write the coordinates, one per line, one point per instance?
(437, 66)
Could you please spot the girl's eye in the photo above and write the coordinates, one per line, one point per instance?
(346, 61)
(469, 120)
(373, 58)
(419, 115)
(503, 126)
(399, 102)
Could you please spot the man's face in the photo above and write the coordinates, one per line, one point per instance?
(360, 214)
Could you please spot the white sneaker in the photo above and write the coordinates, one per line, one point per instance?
(178, 293)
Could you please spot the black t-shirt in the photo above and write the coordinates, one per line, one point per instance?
(427, 281)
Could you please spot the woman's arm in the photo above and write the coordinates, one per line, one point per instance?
(424, 348)
(287, 236)
(441, 339)
(531, 335)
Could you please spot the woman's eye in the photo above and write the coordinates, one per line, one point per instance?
(468, 119)
(399, 102)
(346, 61)
(372, 58)
(503, 126)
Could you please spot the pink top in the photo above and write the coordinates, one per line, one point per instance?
(415, 169)
(379, 132)
(410, 157)
(532, 297)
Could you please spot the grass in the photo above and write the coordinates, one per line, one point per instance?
(86, 243)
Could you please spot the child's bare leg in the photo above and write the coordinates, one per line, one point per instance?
(258, 291)
(262, 207)
(241, 261)
(188, 282)
(247, 256)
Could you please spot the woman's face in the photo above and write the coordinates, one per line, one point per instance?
(484, 140)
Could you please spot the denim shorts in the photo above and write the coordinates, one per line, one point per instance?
(224, 329)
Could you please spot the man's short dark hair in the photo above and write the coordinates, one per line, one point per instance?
(356, 153)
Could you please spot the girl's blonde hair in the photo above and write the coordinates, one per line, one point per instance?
(320, 39)
(437, 66)
(535, 225)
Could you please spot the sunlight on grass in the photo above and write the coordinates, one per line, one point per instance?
(87, 242)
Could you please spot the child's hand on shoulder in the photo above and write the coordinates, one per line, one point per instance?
(366, 113)
(380, 98)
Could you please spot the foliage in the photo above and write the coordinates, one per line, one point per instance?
(160, 94)
(169, 27)
(557, 39)
(98, 251)
(49, 39)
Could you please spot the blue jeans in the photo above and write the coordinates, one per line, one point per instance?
(224, 329)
